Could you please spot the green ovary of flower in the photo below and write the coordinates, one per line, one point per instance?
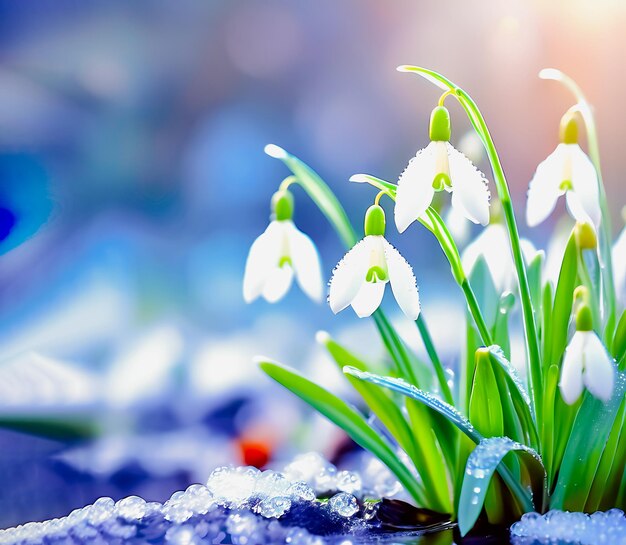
(376, 274)
(285, 261)
(441, 181)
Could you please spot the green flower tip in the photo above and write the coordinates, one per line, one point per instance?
(375, 221)
(440, 124)
(282, 205)
(585, 234)
(482, 354)
(584, 319)
(275, 151)
(568, 129)
(404, 68)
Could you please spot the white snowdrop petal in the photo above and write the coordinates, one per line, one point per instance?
(262, 259)
(348, 276)
(415, 188)
(306, 262)
(543, 191)
(470, 189)
(576, 208)
(368, 298)
(402, 280)
(599, 371)
(571, 383)
(619, 265)
(585, 183)
(278, 283)
(492, 245)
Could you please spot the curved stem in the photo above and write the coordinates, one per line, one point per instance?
(530, 327)
(289, 180)
(584, 108)
(434, 358)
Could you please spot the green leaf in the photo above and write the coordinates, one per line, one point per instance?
(481, 465)
(587, 442)
(563, 295)
(434, 403)
(601, 486)
(534, 281)
(485, 290)
(348, 419)
(381, 404)
(512, 388)
(452, 415)
(546, 325)
(485, 406)
(319, 192)
(619, 342)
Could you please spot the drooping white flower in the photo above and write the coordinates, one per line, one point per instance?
(360, 277)
(586, 364)
(493, 246)
(439, 166)
(279, 254)
(566, 171)
(619, 265)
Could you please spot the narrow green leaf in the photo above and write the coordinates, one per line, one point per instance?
(563, 295)
(348, 419)
(534, 282)
(511, 385)
(434, 403)
(546, 326)
(587, 441)
(600, 487)
(547, 426)
(451, 414)
(619, 342)
(481, 465)
(485, 406)
(485, 290)
(381, 404)
(319, 192)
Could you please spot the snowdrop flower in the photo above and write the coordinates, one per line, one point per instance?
(586, 363)
(566, 171)
(360, 277)
(279, 254)
(437, 167)
(493, 246)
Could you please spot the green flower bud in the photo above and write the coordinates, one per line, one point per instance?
(375, 221)
(568, 129)
(585, 234)
(282, 205)
(439, 124)
(584, 319)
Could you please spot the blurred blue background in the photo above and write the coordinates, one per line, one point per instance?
(133, 181)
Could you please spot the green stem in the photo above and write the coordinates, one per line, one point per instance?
(586, 112)
(530, 328)
(434, 358)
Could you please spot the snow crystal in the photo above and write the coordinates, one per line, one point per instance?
(562, 528)
(343, 504)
